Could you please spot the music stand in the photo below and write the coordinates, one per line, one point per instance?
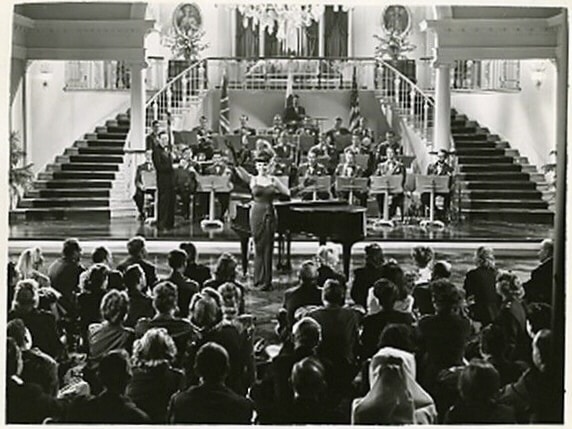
(342, 141)
(320, 184)
(351, 185)
(386, 185)
(361, 159)
(433, 185)
(212, 184)
(407, 160)
(149, 181)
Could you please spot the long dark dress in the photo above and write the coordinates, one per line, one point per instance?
(165, 188)
(263, 225)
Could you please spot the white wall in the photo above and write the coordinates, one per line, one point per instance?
(59, 117)
(527, 119)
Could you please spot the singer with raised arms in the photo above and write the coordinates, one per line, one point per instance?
(265, 188)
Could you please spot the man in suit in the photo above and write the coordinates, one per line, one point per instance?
(244, 129)
(294, 113)
(153, 137)
(163, 164)
(306, 293)
(391, 167)
(195, 271)
(310, 169)
(64, 274)
(186, 287)
(440, 168)
(338, 129)
(137, 252)
(539, 287)
(139, 196)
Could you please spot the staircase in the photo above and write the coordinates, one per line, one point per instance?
(496, 183)
(78, 185)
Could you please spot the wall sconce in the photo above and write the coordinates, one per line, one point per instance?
(45, 74)
(538, 74)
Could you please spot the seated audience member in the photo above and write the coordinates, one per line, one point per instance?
(231, 298)
(439, 168)
(386, 293)
(391, 271)
(304, 294)
(479, 385)
(391, 167)
(480, 287)
(512, 317)
(423, 258)
(306, 172)
(165, 304)
(310, 404)
(532, 395)
(111, 406)
(186, 288)
(338, 129)
(154, 380)
(26, 403)
(366, 276)
(394, 397)
(442, 336)
(140, 302)
(441, 271)
(195, 271)
(139, 196)
(40, 323)
(210, 402)
(244, 129)
(29, 264)
(89, 301)
(328, 260)
(37, 367)
(340, 330)
(100, 255)
(225, 272)
(538, 317)
(64, 275)
(539, 287)
(137, 253)
(493, 349)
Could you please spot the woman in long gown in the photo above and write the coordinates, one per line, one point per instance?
(265, 187)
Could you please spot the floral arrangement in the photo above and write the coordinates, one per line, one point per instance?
(187, 45)
(20, 177)
(392, 46)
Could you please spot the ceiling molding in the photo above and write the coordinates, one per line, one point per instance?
(134, 55)
(448, 55)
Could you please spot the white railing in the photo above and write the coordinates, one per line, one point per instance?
(406, 99)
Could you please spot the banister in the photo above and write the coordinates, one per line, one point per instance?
(406, 79)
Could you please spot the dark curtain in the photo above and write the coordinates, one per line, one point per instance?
(310, 44)
(272, 46)
(246, 38)
(335, 32)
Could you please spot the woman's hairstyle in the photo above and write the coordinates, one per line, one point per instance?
(205, 308)
(328, 255)
(391, 271)
(265, 154)
(27, 261)
(422, 255)
(26, 296)
(225, 270)
(114, 306)
(307, 332)
(132, 278)
(100, 254)
(212, 362)
(374, 255)
(447, 298)
(386, 293)
(154, 348)
(484, 257)
(334, 292)
(190, 249)
(230, 294)
(398, 336)
(308, 378)
(96, 278)
(509, 286)
(441, 270)
(479, 382)
(165, 297)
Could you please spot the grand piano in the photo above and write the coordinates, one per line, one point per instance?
(326, 220)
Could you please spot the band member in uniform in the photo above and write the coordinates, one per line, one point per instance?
(439, 168)
(349, 168)
(283, 148)
(153, 137)
(165, 183)
(355, 147)
(307, 170)
(294, 113)
(244, 129)
(202, 129)
(139, 196)
(325, 152)
(185, 183)
(391, 141)
(338, 129)
(362, 130)
(277, 126)
(391, 167)
(220, 168)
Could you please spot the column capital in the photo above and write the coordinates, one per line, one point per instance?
(441, 63)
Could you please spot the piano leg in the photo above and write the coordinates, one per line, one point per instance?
(346, 257)
(244, 254)
(288, 251)
(281, 264)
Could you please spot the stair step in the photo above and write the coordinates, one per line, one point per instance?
(472, 168)
(497, 185)
(480, 152)
(75, 213)
(70, 193)
(63, 202)
(90, 158)
(469, 136)
(494, 204)
(100, 151)
(493, 176)
(111, 136)
(87, 174)
(522, 194)
(83, 166)
(464, 159)
(105, 143)
(481, 145)
(520, 215)
(72, 184)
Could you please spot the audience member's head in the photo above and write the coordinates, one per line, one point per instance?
(115, 280)
(114, 307)
(509, 287)
(422, 256)
(306, 333)
(308, 379)
(386, 293)
(333, 293)
(191, 251)
(447, 298)
(308, 273)
(441, 270)
(154, 348)
(134, 279)
(101, 255)
(225, 270)
(26, 297)
(136, 247)
(231, 297)
(328, 256)
(29, 261)
(542, 349)
(97, 278)
(391, 271)
(177, 260)
(165, 298)
(71, 250)
(492, 341)
(484, 257)
(374, 255)
(14, 362)
(538, 316)
(114, 371)
(479, 382)
(398, 336)
(205, 308)
(546, 250)
(212, 363)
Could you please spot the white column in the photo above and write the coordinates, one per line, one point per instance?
(442, 114)
(138, 105)
(261, 40)
(27, 134)
(321, 41)
(233, 30)
(350, 32)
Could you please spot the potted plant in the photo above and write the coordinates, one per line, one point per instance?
(392, 46)
(20, 177)
(187, 45)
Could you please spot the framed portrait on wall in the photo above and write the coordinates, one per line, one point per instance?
(396, 19)
(186, 18)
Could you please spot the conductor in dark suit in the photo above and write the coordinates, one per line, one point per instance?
(539, 287)
(294, 113)
(165, 183)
